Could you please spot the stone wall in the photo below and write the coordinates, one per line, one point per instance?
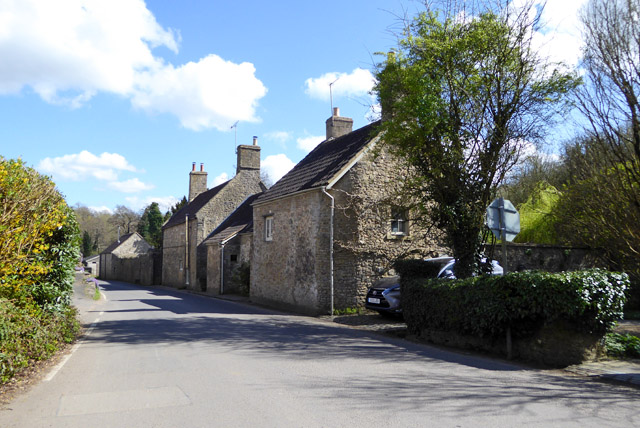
(243, 185)
(173, 256)
(292, 270)
(134, 245)
(365, 249)
(550, 258)
(135, 270)
(236, 251)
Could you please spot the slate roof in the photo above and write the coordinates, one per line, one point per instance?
(239, 221)
(116, 243)
(322, 164)
(194, 206)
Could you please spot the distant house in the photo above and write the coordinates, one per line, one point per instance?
(129, 259)
(92, 264)
(229, 248)
(325, 231)
(184, 258)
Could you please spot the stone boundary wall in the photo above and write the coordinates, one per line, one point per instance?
(135, 270)
(550, 258)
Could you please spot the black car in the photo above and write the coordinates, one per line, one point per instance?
(384, 295)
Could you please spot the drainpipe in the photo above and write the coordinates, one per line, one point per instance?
(324, 190)
(186, 249)
(222, 267)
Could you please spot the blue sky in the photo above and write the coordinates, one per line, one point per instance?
(115, 99)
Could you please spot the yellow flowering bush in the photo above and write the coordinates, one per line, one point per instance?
(39, 249)
(38, 236)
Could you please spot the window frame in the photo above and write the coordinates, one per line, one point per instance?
(268, 228)
(400, 218)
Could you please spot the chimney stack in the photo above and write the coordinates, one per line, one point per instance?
(248, 157)
(197, 181)
(338, 126)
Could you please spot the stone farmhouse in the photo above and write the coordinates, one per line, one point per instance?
(129, 259)
(230, 246)
(184, 258)
(333, 224)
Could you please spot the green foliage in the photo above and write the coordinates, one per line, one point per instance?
(39, 249)
(39, 238)
(150, 225)
(537, 221)
(458, 96)
(88, 248)
(348, 311)
(622, 345)
(28, 333)
(590, 300)
(178, 206)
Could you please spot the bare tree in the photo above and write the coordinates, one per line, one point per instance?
(126, 218)
(601, 206)
(609, 100)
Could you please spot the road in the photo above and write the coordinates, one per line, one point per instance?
(163, 358)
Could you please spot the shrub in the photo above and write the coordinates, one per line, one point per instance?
(39, 238)
(622, 345)
(589, 300)
(39, 248)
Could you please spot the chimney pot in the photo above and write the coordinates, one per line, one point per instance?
(255, 140)
(336, 111)
(201, 167)
(193, 166)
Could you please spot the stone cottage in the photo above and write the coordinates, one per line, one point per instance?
(184, 258)
(129, 259)
(332, 225)
(229, 250)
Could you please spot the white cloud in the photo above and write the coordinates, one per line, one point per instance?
(210, 93)
(276, 166)
(278, 136)
(130, 186)
(355, 84)
(102, 209)
(68, 51)
(164, 202)
(309, 143)
(220, 179)
(561, 38)
(85, 165)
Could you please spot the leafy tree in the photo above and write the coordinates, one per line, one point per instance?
(537, 216)
(598, 205)
(460, 95)
(178, 206)
(87, 244)
(150, 225)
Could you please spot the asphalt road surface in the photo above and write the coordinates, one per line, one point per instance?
(161, 358)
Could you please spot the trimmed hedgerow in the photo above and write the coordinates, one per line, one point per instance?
(486, 306)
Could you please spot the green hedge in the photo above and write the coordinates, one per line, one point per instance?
(28, 333)
(591, 301)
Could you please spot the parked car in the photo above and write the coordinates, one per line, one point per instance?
(384, 295)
